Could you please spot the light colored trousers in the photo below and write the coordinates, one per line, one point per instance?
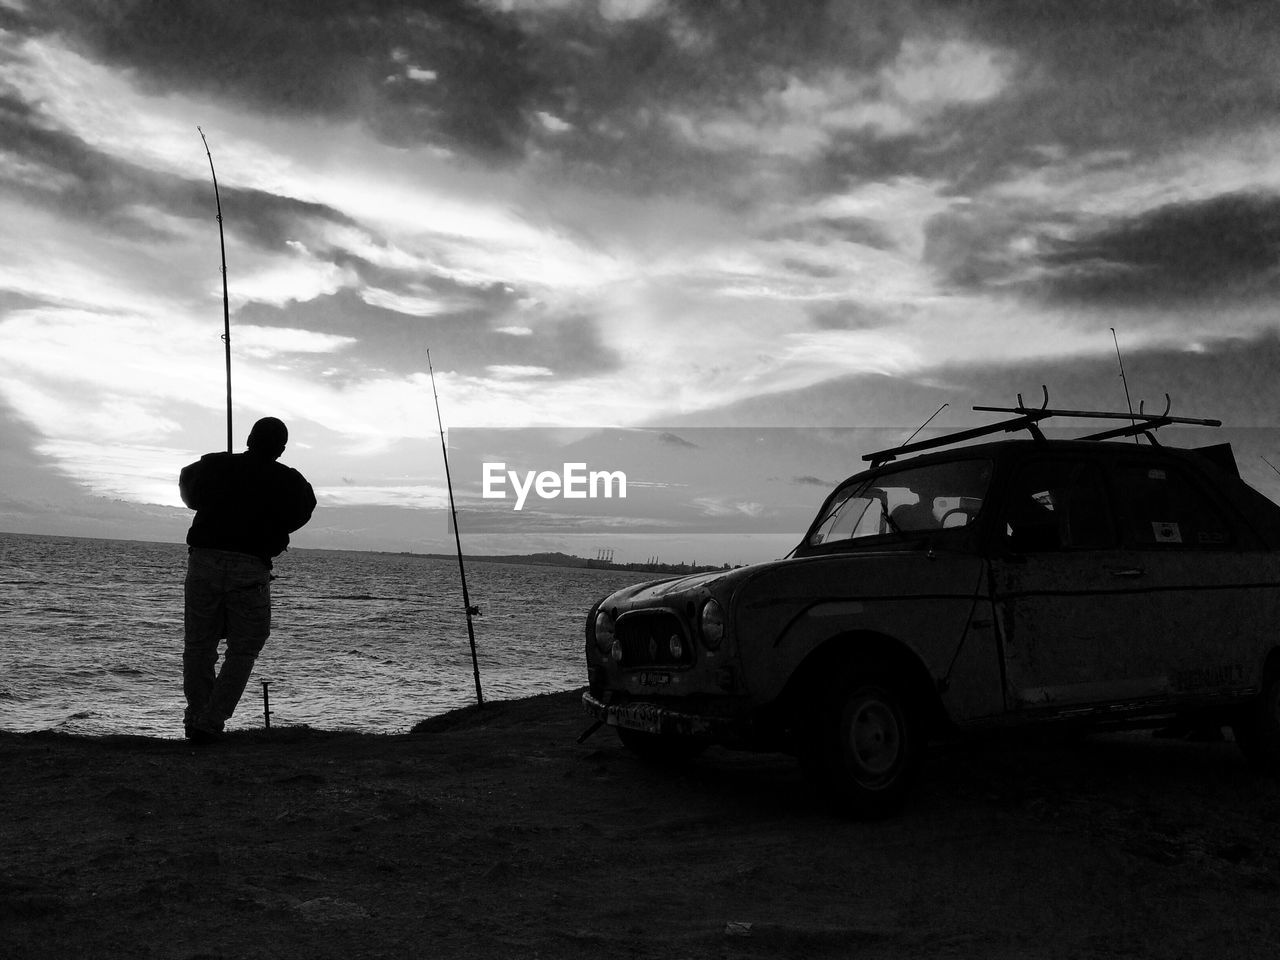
(226, 595)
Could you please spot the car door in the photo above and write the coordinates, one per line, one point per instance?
(1129, 587)
(1205, 603)
(1066, 592)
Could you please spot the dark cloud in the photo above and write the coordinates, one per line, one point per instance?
(1221, 250)
(11, 300)
(595, 95)
(1225, 246)
(593, 99)
(26, 472)
(341, 59)
(850, 315)
(1135, 79)
(970, 248)
(59, 171)
(618, 86)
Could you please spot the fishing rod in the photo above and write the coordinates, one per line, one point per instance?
(226, 308)
(457, 539)
(1128, 402)
(925, 424)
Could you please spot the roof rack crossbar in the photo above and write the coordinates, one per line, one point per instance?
(1028, 418)
(1146, 418)
(1146, 428)
(1026, 421)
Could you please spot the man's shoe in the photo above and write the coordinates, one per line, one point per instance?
(201, 737)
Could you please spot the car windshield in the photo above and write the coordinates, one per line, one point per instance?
(937, 497)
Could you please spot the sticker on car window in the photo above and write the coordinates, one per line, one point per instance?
(1156, 475)
(1166, 532)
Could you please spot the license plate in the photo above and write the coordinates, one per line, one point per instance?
(645, 717)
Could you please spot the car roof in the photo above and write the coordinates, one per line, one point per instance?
(1218, 456)
(1215, 464)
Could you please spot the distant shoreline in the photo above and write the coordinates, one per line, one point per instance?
(570, 560)
(535, 559)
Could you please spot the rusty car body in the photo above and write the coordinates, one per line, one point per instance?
(957, 586)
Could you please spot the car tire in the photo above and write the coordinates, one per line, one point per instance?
(869, 747)
(661, 747)
(1257, 727)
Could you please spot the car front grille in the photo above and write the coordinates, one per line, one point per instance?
(645, 638)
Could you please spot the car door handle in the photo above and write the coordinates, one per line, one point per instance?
(1126, 571)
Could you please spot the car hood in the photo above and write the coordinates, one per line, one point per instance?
(654, 592)
(725, 582)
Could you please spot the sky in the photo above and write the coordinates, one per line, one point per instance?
(698, 223)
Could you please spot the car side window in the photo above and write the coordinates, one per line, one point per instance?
(1161, 508)
(1058, 504)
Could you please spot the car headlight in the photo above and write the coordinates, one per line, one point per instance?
(675, 646)
(603, 631)
(711, 624)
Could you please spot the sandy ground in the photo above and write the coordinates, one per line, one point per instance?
(493, 834)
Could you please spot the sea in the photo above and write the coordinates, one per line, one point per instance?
(91, 636)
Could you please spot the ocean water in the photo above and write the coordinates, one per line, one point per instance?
(91, 636)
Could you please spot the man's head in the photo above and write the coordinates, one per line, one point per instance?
(268, 437)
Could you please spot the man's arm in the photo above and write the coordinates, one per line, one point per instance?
(302, 502)
(189, 487)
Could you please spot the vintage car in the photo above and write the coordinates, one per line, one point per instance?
(1098, 582)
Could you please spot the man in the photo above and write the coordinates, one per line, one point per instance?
(246, 506)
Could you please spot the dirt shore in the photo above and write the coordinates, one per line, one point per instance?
(493, 834)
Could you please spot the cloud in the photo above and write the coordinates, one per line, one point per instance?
(425, 497)
(851, 315)
(1186, 251)
(720, 507)
(513, 371)
(269, 342)
(325, 61)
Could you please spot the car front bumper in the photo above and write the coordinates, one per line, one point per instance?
(648, 717)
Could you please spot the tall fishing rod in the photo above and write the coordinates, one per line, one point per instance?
(457, 539)
(226, 307)
(1127, 401)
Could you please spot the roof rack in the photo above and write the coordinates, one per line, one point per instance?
(1028, 418)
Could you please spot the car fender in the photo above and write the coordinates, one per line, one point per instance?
(921, 601)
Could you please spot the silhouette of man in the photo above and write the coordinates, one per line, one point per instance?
(246, 506)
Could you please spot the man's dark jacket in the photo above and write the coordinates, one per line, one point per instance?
(245, 502)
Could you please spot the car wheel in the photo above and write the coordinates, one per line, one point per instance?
(661, 747)
(1257, 729)
(870, 747)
